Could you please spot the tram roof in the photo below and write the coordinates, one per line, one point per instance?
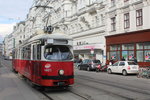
(51, 36)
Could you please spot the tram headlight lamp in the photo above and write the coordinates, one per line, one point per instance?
(61, 72)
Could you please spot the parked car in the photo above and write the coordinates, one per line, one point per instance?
(6, 57)
(77, 62)
(89, 64)
(124, 67)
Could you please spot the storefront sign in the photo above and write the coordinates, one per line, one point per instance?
(84, 47)
(92, 50)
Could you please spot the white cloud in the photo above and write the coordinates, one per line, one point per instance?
(15, 8)
(6, 29)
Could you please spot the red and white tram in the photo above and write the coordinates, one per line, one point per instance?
(46, 60)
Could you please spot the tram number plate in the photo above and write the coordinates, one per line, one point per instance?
(61, 83)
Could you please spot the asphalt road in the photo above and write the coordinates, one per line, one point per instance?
(103, 86)
(13, 88)
(99, 86)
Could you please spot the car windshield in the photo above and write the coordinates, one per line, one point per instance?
(57, 52)
(132, 63)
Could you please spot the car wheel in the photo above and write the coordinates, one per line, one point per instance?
(109, 71)
(97, 70)
(88, 69)
(124, 73)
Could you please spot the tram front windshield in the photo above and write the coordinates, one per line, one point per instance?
(57, 52)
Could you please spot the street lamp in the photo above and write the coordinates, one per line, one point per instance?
(47, 28)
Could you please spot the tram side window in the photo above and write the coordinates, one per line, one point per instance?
(26, 52)
(13, 54)
(28, 56)
(37, 52)
(22, 53)
(34, 52)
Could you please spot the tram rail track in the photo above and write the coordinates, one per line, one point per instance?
(108, 92)
(125, 87)
(68, 90)
(80, 95)
(115, 85)
(47, 96)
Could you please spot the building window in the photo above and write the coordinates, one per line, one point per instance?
(113, 3)
(128, 51)
(143, 52)
(113, 24)
(114, 52)
(97, 21)
(126, 0)
(126, 21)
(26, 52)
(139, 17)
(102, 19)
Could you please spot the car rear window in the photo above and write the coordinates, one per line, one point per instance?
(132, 63)
(96, 61)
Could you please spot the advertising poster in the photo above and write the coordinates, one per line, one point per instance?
(131, 56)
(125, 54)
(147, 56)
(113, 55)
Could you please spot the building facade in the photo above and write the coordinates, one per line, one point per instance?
(94, 26)
(8, 46)
(128, 30)
(1, 49)
(83, 20)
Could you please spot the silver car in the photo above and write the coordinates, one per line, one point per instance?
(124, 67)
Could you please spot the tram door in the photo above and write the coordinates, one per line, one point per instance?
(36, 57)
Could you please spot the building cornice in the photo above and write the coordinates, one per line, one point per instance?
(89, 32)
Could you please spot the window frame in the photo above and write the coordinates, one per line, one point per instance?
(114, 49)
(139, 17)
(113, 2)
(126, 20)
(144, 51)
(126, 0)
(113, 24)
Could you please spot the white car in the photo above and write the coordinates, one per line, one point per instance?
(124, 67)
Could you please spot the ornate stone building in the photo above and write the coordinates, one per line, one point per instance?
(84, 20)
(89, 22)
(128, 30)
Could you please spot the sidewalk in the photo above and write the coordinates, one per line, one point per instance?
(12, 88)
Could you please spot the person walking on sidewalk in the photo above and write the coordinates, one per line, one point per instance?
(135, 60)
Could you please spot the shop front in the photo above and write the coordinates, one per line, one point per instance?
(90, 51)
(129, 46)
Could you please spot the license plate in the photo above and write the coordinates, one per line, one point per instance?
(61, 83)
(134, 67)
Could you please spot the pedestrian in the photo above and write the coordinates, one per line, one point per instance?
(80, 61)
(135, 60)
(123, 59)
(111, 61)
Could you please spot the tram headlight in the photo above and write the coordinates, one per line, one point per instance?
(61, 72)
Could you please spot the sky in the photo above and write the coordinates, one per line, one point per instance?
(12, 12)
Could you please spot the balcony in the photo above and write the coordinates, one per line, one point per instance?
(91, 9)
